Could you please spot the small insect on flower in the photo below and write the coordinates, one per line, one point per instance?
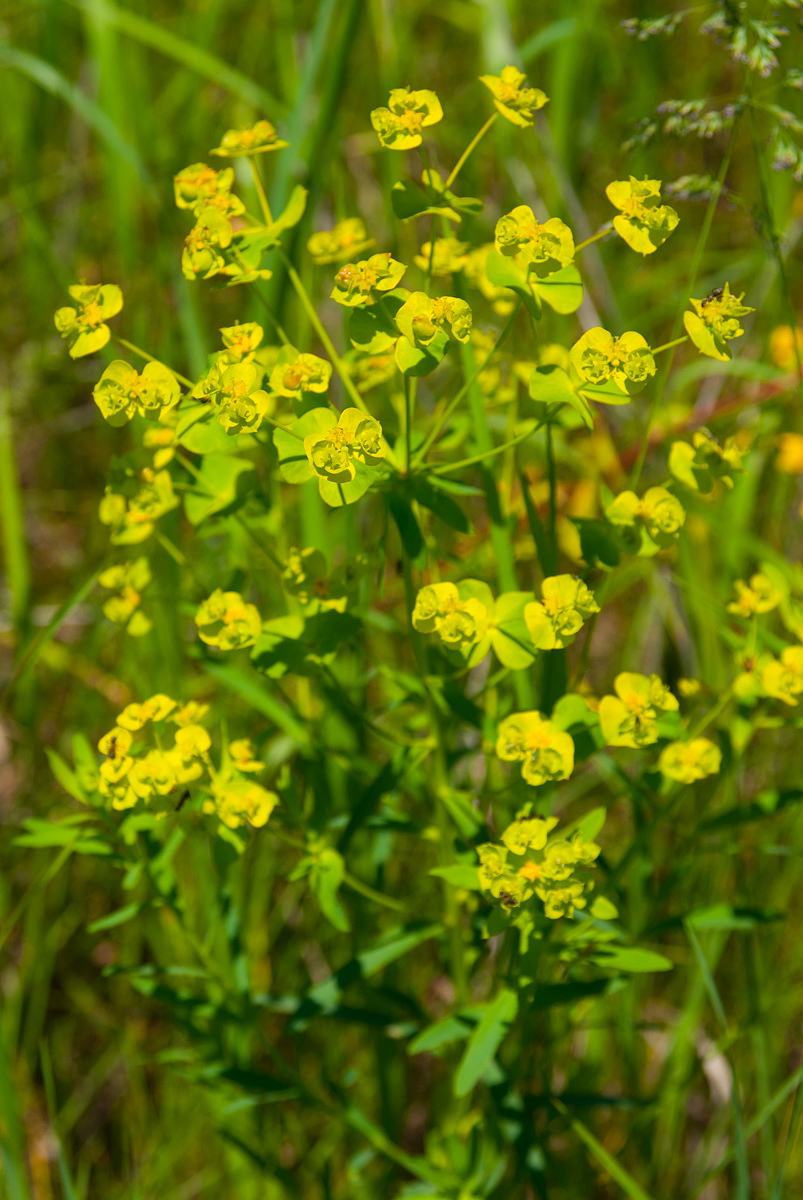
(716, 294)
(183, 800)
(112, 752)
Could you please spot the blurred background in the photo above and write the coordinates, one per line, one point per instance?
(101, 105)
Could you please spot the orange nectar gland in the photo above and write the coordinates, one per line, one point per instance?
(236, 613)
(530, 871)
(92, 314)
(362, 278)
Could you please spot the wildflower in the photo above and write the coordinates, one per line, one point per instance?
(192, 741)
(135, 716)
(241, 341)
(448, 257)
(122, 391)
(355, 438)
(515, 102)
(116, 743)
(715, 322)
(241, 754)
(546, 753)
(459, 623)
(133, 518)
(542, 249)
(236, 801)
(306, 373)
(760, 595)
(128, 580)
(362, 283)
(84, 327)
(197, 186)
(790, 454)
(202, 246)
(528, 833)
(399, 126)
(422, 318)
(644, 223)
(782, 346)
(627, 360)
(534, 862)
(256, 139)
(226, 621)
(163, 442)
(240, 404)
(190, 713)
(661, 514)
(699, 464)
(555, 621)
(686, 762)
(784, 680)
(348, 238)
(630, 718)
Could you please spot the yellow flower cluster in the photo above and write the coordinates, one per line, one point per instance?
(659, 514)
(599, 357)
(226, 621)
(546, 754)
(399, 126)
(715, 322)
(348, 238)
(533, 862)
(643, 222)
(84, 327)
(630, 718)
(128, 580)
(133, 518)
(542, 249)
(512, 98)
(354, 437)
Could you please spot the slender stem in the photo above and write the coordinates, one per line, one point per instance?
(458, 167)
(553, 489)
(699, 249)
(595, 237)
(443, 420)
(409, 402)
(149, 358)
(446, 468)
(364, 889)
(263, 199)
(669, 345)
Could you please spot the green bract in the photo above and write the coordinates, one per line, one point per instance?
(399, 126)
(421, 318)
(226, 621)
(599, 357)
(558, 618)
(645, 223)
(83, 327)
(715, 322)
(348, 237)
(514, 101)
(122, 391)
(468, 619)
(237, 400)
(538, 249)
(364, 282)
(698, 465)
(304, 373)
(546, 753)
(685, 762)
(658, 513)
(202, 245)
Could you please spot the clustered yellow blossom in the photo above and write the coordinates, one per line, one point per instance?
(306, 373)
(532, 861)
(348, 238)
(698, 465)
(715, 322)
(422, 318)
(198, 186)
(362, 283)
(255, 139)
(225, 620)
(599, 357)
(760, 595)
(783, 679)
(555, 620)
(132, 518)
(399, 126)
(458, 623)
(84, 327)
(658, 513)
(446, 256)
(630, 718)
(353, 438)
(211, 234)
(122, 391)
(241, 342)
(129, 580)
(643, 222)
(239, 403)
(512, 98)
(541, 249)
(546, 754)
(686, 762)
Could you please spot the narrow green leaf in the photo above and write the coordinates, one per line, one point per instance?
(485, 1041)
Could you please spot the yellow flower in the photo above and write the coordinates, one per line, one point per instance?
(715, 322)
(699, 464)
(122, 391)
(241, 341)
(782, 346)
(362, 283)
(542, 249)
(202, 256)
(514, 101)
(533, 862)
(630, 717)
(190, 713)
(627, 360)
(659, 512)
(192, 741)
(135, 716)
(759, 596)
(129, 580)
(132, 519)
(400, 125)
(644, 223)
(355, 438)
(784, 680)
(238, 800)
(448, 257)
(199, 186)
(556, 621)
(546, 753)
(225, 620)
(422, 318)
(256, 139)
(240, 405)
(459, 623)
(241, 753)
(790, 454)
(307, 373)
(686, 762)
(348, 238)
(84, 327)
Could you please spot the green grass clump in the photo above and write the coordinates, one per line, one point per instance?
(402, 615)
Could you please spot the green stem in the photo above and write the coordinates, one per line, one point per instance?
(149, 358)
(669, 345)
(263, 199)
(409, 405)
(699, 249)
(12, 522)
(595, 237)
(442, 421)
(446, 468)
(458, 167)
(553, 497)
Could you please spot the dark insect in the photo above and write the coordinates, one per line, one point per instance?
(112, 748)
(506, 898)
(715, 295)
(183, 800)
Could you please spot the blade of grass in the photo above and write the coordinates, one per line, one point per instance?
(616, 1171)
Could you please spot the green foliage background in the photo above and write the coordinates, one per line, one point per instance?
(101, 1089)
